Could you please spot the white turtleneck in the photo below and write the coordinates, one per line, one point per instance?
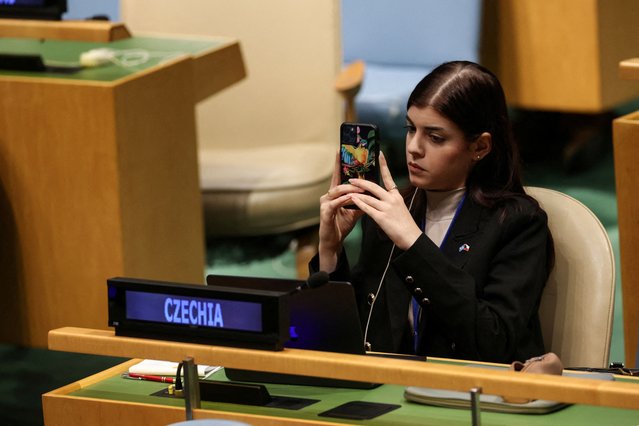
(440, 212)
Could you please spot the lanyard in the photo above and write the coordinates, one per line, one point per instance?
(414, 303)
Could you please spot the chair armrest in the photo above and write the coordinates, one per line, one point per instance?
(629, 69)
(348, 83)
(351, 77)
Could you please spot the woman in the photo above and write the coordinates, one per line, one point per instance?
(454, 267)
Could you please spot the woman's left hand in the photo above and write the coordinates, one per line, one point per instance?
(387, 208)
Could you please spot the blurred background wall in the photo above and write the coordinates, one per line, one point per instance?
(85, 9)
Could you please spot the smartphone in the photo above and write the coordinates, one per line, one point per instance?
(359, 152)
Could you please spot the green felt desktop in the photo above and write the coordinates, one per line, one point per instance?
(119, 389)
(67, 53)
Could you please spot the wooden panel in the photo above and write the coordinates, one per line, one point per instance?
(58, 168)
(356, 367)
(539, 45)
(618, 40)
(561, 54)
(98, 180)
(63, 30)
(161, 205)
(626, 154)
(57, 406)
(65, 411)
(214, 72)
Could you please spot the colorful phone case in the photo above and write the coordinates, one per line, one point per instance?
(359, 151)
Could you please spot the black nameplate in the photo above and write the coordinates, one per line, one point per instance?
(250, 318)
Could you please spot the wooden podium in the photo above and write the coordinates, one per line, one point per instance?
(626, 152)
(98, 172)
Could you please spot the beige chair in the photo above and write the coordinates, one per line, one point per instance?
(267, 145)
(577, 304)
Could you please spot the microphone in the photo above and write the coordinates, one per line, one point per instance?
(316, 279)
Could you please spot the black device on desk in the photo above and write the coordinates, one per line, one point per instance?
(245, 318)
(33, 63)
(323, 317)
(33, 9)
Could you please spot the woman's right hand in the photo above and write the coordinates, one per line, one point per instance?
(336, 222)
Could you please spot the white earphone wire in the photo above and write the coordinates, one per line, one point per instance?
(381, 281)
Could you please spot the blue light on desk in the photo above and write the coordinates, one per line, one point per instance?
(196, 311)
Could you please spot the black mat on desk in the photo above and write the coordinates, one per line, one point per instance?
(359, 410)
(284, 402)
(34, 63)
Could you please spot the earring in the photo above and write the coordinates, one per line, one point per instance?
(479, 157)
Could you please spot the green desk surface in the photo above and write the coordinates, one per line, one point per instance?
(117, 388)
(67, 53)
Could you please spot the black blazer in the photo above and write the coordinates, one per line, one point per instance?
(479, 294)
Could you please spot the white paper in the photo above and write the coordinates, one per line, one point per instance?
(167, 368)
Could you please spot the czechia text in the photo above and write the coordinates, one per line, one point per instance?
(194, 312)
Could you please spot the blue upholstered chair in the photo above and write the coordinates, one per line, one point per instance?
(400, 42)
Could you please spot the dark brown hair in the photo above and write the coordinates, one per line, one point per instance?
(472, 97)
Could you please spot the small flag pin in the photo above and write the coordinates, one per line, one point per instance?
(464, 247)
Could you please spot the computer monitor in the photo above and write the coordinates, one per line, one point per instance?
(322, 318)
(51, 10)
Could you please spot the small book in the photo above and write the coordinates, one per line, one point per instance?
(167, 368)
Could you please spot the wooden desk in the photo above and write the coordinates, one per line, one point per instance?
(99, 176)
(321, 364)
(106, 399)
(626, 152)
